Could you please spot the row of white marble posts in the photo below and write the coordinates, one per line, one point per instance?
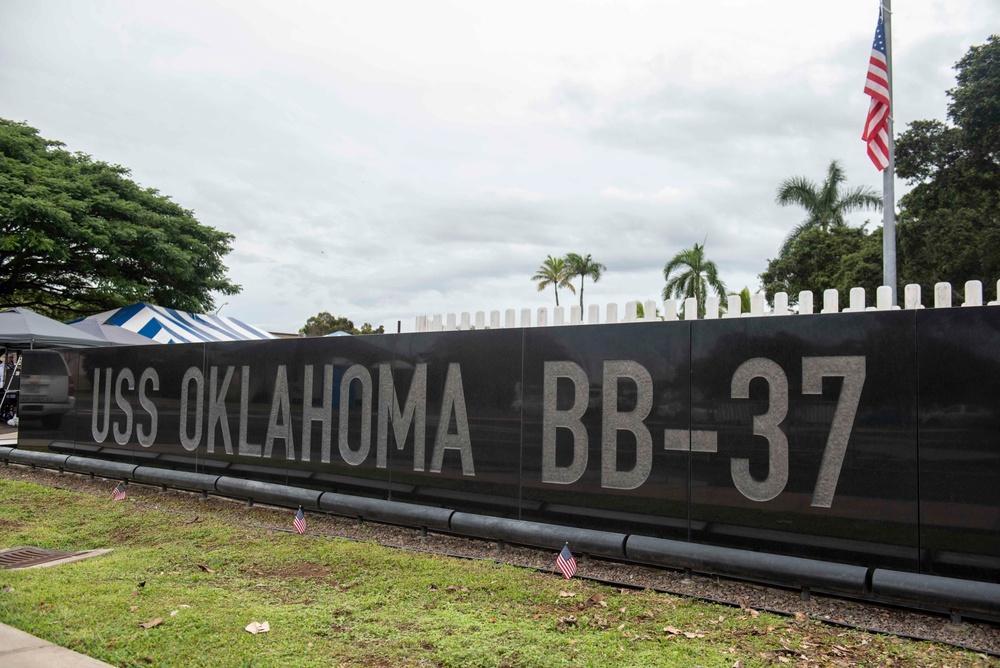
(758, 307)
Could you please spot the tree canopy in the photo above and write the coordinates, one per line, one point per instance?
(584, 266)
(949, 223)
(691, 274)
(842, 258)
(826, 205)
(77, 236)
(324, 323)
(555, 272)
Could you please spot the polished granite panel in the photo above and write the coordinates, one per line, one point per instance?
(462, 391)
(958, 357)
(606, 430)
(296, 411)
(816, 431)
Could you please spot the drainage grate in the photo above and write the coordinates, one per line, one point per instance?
(23, 557)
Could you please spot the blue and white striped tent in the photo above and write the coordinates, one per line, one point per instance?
(168, 325)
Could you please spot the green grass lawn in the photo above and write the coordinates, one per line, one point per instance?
(209, 569)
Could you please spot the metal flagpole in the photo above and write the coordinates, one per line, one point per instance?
(889, 173)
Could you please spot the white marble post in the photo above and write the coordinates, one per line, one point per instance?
(806, 302)
(831, 301)
(781, 303)
(543, 316)
(649, 311)
(466, 321)
(942, 295)
(509, 320)
(690, 308)
(575, 315)
(857, 299)
(494, 319)
(911, 299)
(734, 307)
(973, 293)
(883, 298)
(612, 317)
(670, 310)
(712, 307)
(435, 325)
(593, 314)
(526, 317)
(631, 312)
(559, 316)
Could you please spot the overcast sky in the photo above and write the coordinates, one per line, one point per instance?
(382, 160)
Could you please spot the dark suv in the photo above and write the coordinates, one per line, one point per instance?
(47, 388)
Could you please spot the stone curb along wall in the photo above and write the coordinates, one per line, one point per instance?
(867, 439)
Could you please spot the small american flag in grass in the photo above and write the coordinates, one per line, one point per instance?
(300, 521)
(119, 493)
(566, 563)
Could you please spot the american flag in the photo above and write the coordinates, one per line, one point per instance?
(566, 563)
(119, 493)
(300, 521)
(877, 86)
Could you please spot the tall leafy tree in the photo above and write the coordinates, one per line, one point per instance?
(826, 205)
(949, 222)
(555, 272)
(584, 266)
(691, 274)
(77, 236)
(324, 323)
(843, 258)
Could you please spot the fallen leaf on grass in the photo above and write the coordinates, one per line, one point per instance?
(566, 594)
(801, 617)
(8, 590)
(692, 636)
(204, 568)
(174, 612)
(567, 621)
(194, 521)
(150, 624)
(258, 627)
(596, 599)
(133, 608)
(673, 630)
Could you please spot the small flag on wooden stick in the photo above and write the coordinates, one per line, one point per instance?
(300, 521)
(119, 493)
(566, 563)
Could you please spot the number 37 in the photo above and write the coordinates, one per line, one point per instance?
(814, 370)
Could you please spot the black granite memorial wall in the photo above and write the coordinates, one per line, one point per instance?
(861, 438)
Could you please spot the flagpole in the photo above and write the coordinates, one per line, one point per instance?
(889, 173)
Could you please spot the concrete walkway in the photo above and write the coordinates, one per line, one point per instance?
(21, 650)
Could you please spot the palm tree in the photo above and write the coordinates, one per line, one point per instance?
(583, 266)
(555, 272)
(826, 205)
(690, 274)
